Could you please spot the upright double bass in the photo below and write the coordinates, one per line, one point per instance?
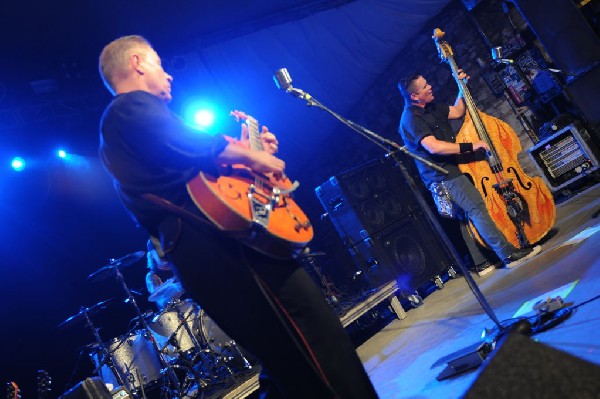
(521, 206)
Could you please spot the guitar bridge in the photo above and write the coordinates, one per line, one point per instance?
(261, 209)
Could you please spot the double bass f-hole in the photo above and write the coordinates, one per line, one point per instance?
(525, 212)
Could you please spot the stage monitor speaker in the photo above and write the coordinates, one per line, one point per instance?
(523, 368)
(409, 252)
(565, 156)
(90, 388)
(564, 32)
(366, 199)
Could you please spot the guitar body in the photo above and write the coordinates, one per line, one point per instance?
(256, 209)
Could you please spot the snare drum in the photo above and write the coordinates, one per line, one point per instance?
(134, 358)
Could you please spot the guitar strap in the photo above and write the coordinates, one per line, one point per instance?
(246, 237)
(171, 207)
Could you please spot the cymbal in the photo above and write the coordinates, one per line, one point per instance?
(80, 315)
(170, 289)
(110, 269)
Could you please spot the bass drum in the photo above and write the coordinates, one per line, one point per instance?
(134, 358)
(212, 335)
(223, 347)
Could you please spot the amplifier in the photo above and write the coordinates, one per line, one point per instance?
(565, 156)
(366, 199)
(383, 227)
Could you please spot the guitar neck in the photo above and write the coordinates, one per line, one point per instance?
(254, 134)
(447, 54)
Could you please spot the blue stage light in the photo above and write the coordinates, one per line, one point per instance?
(204, 118)
(61, 153)
(18, 164)
(201, 114)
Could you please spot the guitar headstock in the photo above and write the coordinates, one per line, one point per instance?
(239, 115)
(44, 383)
(444, 49)
(12, 391)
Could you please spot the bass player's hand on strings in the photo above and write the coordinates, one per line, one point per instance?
(481, 145)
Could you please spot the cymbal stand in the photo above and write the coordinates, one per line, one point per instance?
(167, 369)
(183, 322)
(104, 356)
(331, 293)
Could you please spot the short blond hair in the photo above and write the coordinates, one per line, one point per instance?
(114, 59)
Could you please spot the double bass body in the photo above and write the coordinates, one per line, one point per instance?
(522, 207)
(533, 197)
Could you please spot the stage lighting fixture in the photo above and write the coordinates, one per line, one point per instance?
(201, 114)
(61, 153)
(18, 164)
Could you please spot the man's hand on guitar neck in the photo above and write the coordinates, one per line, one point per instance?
(269, 142)
(258, 161)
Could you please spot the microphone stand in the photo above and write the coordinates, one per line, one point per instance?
(283, 81)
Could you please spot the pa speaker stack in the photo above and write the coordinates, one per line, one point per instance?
(383, 227)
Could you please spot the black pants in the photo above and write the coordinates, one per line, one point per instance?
(274, 310)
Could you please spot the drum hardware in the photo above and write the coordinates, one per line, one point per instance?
(135, 360)
(180, 347)
(84, 313)
(114, 265)
(177, 323)
(114, 269)
(220, 345)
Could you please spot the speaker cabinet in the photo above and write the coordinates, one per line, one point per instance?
(383, 227)
(523, 368)
(409, 252)
(366, 199)
(565, 156)
(563, 31)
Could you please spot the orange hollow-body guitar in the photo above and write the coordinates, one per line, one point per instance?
(255, 208)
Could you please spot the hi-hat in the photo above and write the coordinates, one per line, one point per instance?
(81, 314)
(110, 269)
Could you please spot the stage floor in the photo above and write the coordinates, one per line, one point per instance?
(404, 358)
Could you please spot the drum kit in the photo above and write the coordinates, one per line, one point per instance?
(178, 352)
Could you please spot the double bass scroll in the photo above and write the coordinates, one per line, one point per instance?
(522, 207)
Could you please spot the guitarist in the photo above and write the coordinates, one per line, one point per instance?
(269, 306)
(426, 131)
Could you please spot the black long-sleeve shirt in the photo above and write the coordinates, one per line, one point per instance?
(146, 148)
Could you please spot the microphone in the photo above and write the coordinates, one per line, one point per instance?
(283, 81)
